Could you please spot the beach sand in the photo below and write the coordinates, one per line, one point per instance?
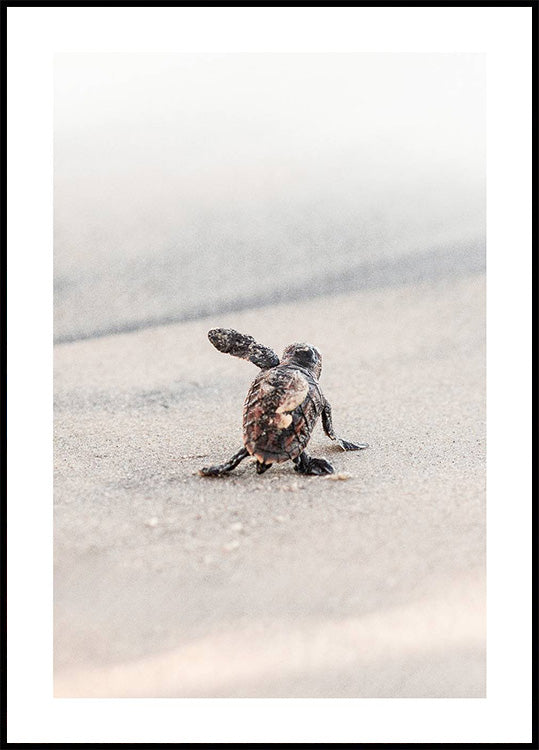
(369, 585)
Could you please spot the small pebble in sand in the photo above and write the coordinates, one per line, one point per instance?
(280, 519)
(294, 487)
(231, 546)
(238, 526)
(342, 475)
(153, 521)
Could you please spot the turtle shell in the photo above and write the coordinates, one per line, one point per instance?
(280, 412)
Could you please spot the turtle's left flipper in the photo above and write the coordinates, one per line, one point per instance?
(229, 341)
(217, 471)
(327, 424)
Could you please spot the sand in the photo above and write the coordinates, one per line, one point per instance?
(373, 585)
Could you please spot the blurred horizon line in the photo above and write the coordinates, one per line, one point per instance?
(464, 259)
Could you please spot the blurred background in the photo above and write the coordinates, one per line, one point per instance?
(193, 184)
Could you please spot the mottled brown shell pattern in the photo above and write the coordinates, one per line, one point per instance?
(280, 412)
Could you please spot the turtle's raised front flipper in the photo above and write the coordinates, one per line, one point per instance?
(229, 341)
(327, 424)
(217, 471)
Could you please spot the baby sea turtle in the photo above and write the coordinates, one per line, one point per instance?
(282, 406)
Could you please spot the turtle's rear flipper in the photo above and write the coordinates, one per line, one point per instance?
(217, 471)
(327, 424)
(262, 466)
(229, 341)
(305, 464)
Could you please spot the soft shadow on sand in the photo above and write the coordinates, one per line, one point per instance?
(316, 659)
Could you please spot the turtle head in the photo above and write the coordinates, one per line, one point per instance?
(303, 355)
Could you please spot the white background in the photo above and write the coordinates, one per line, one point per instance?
(34, 36)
